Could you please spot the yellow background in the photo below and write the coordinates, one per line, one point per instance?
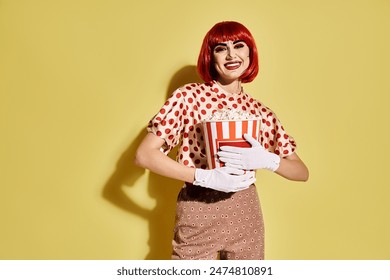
(79, 81)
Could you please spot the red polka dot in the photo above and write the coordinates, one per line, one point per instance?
(220, 106)
(186, 162)
(178, 95)
(208, 105)
(185, 148)
(158, 133)
(162, 111)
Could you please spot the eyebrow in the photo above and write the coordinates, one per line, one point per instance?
(224, 44)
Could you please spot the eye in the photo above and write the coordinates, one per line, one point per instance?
(239, 45)
(219, 49)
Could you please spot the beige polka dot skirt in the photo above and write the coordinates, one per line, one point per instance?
(212, 224)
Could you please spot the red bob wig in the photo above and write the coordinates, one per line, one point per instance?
(222, 32)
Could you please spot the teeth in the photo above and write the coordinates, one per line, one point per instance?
(233, 64)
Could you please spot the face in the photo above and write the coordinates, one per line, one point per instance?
(231, 59)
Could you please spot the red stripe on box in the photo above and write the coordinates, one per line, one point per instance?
(219, 130)
(244, 127)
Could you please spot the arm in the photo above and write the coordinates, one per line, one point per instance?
(257, 157)
(293, 168)
(224, 179)
(149, 156)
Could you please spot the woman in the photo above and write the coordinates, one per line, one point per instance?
(218, 210)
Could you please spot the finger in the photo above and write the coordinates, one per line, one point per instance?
(232, 170)
(231, 149)
(230, 160)
(251, 140)
(228, 155)
(245, 184)
(251, 181)
(235, 166)
(249, 175)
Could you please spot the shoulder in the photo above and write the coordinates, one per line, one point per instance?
(262, 110)
(195, 87)
(194, 90)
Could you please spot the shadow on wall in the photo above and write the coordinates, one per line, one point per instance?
(164, 190)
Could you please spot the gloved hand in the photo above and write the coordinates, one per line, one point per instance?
(224, 179)
(255, 157)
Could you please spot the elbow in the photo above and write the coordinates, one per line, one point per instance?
(301, 175)
(140, 159)
(305, 175)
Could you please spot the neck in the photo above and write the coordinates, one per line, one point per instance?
(233, 87)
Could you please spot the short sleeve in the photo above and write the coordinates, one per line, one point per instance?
(168, 123)
(274, 137)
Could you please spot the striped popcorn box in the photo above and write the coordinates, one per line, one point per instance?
(227, 133)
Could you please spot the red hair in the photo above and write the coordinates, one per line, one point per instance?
(222, 32)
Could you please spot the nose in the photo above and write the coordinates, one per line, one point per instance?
(230, 54)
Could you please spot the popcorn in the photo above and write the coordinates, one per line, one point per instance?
(226, 128)
(231, 114)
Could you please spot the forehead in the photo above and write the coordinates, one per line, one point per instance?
(230, 42)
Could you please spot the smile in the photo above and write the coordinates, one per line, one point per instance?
(232, 65)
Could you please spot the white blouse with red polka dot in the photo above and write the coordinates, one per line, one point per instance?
(179, 121)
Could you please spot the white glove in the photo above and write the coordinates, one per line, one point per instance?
(255, 157)
(224, 179)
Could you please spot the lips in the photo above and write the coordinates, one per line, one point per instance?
(232, 65)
